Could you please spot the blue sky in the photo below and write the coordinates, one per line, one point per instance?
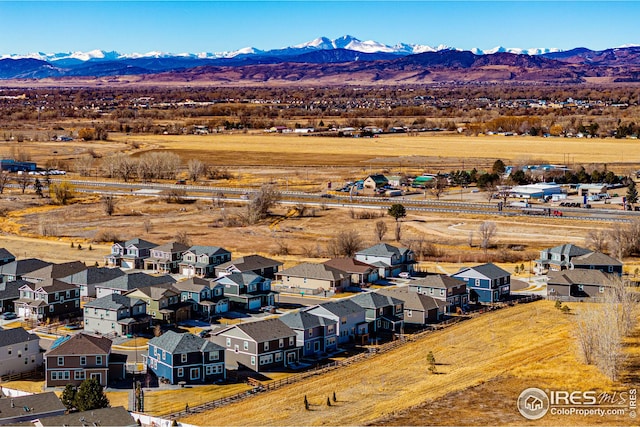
(209, 26)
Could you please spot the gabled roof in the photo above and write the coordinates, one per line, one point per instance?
(413, 300)
(113, 302)
(488, 270)
(569, 250)
(440, 281)
(579, 277)
(250, 263)
(379, 178)
(193, 284)
(241, 279)
(374, 300)
(264, 330)
(16, 336)
(80, 344)
(383, 249)
(22, 266)
(311, 270)
(6, 254)
(51, 285)
(56, 271)
(349, 265)
(93, 275)
(11, 290)
(135, 280)
(173, 247)
(39, 403)
(595, 258)
(176, 343)
(157, 292)
(117, 416)
(304, 320)
(341, 308)
(208, 250)
(139, 243)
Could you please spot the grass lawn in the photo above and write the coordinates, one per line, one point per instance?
(530, 344)
(168, 401)
(25, 385)
(135, 342)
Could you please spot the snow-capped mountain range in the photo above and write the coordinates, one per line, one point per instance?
(322, 43)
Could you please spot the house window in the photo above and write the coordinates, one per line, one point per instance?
(610, 269)
(253, 361)
(308, 345)
(409, 313)
(60, 361)
(228, 342)
(9, 351)
(54, 375)
(50, 309)
(601, 289)
(77, 303)
(278, 357)
(310, 332)
(214, 355)
(266, 346)
(164, 355)
(183, 357)
(181, 372)
(477, 282)
(78, 375)
(581, 288)
(291, 342)
(245, 345)
(99, 360)
(66, 375)
(83, 360)
(316, 346)
(280, 343)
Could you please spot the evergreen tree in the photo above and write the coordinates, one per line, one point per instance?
(68, 397)
(632, 194)
(90, 396)
(397, 211)
(37, 185)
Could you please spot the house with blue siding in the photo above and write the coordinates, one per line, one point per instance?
(208, 299)
(486, 283)
(186, 357)
(316, 335)
(247, 291)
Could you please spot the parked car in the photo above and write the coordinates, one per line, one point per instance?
(9, 315)
(404, 275)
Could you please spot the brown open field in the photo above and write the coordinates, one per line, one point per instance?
(511, 349)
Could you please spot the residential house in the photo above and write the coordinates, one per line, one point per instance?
(54, 271)
(486, 283)
(374, 182)
(88, 279)
(29, 408)
(558, 258)
(579, 283)
(315, 277)
(48, 299)
(19, 351)
(598, 261)
(129, 254)
(6, 257)
(360, 273)
(260, 346)
(207, 300)
(257, 264)
(419, 309)
(128, 282)
(316, 335)
(389, 260)
(247, 291)
(201, 260)
(117, 416)
(397, 180)
(443, 287)
(115, 315)
(350, 318)
(165, 258)
(163, 303)
(186, 357)
(383, 313)
(74, 358)
(9, 292)
(16, 269)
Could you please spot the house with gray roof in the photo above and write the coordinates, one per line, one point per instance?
(15, 270)
(246, 291)
(389, 260)
(165, 258)
(19, 351)
(257, 264)
(163, 303)
(207, 297)
(360, 273)
(130, 254)
(316, 335)
(54, 271)
(579, 283)
(383, 313)
(14, 410)
(201, 261)
(9, 292)
(558, 258)
(419, 309)
(449, 289)
(486, 283)
(122, 284)
(186, 357)
(48, 299)
(262, 345)
(315, 277)
(6, 257)
(351, 323)
(88, 278)
(115, 315)
(597, 261)
(117, 416)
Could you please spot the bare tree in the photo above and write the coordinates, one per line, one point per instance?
(487, 231)
(261, 202)
(381, 230)
(619, 241)
(438, 186)
(597, 239)
(345, 243)
(148, 225)
(23, 180)
(196, 169)
(183, 238)
(109, 204)
(83, 164)
(4, 180)
(61, 193)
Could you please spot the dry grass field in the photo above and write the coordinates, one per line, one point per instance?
(513, 349)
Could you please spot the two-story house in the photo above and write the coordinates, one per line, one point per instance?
(125, 283)
(260, 346)
(486, 283)
(207, 300)
(361, 274)
(19, 351)
(87, 279)
(115, 315)
(201, 261)
(6, 257)
(129, 254)
(186, 357)
(257, 264)
(558, 258)
(598, 261)
(419, 309)
(389, 260)
(350, 318)
(165, 258)
(50, 298)
(315, 335)
(14, 270)
(74, 358)
(312, 276)
(163, 303)
(443, 287)
(247, 291)
(383, 313)
(9, 292)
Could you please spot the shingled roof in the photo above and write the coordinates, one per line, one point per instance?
(595, 258)
(341, 308)
(314, 271)
(414, 300)
(135, 280)
(56, 271)
(249, 263)
(580, 277)
(80, 344)
(489, 270)
(440, 281)
(39, 404)
(176, 343)
(304, 320)
(117, 416)
(21, 267)
(374, 300)
(383, 249)
(113, 302)
(93, 275)
(264, 330)
(16, 336)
